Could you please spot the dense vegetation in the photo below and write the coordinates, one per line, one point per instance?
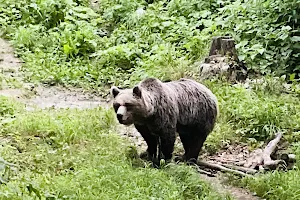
(122, 42)
(67, 42)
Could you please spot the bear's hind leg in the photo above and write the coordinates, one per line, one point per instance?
(192, 139)
(185, 141)
(196, 143)
(185, 134)
(196, 146)
(151, 141)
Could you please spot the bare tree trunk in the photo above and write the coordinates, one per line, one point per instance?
(216, 45)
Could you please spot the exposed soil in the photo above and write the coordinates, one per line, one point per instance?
(59, 97)
(41, 96)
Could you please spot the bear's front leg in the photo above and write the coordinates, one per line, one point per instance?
(151, 141)
(167, 141)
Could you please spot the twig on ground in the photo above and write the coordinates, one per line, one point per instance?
(201, 171)
(239, 168)
(220, 167)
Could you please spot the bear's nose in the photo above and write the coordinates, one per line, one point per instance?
(119, 116)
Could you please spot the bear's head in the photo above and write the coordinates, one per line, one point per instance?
(131, 105)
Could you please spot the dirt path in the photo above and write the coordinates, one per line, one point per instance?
(58, 97)
(40, 96)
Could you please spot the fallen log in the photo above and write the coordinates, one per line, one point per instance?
(262, 158)
(255, 160)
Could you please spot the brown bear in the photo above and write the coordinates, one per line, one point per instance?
(160, 109)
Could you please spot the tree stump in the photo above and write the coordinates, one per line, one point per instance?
(223, 60)
(223, 46)
(228, 49)
(216, 45)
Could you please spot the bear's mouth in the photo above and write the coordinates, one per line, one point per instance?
(124, 122)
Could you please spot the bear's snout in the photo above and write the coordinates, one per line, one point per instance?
(124, 120)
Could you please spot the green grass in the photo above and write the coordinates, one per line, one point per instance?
(276, 185)
(256, 113)
(76, 154)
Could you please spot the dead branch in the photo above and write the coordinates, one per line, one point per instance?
(255, 160)
(269, 149)
(239, 168)
(262, 158)
(220, 167)
(240, 163)
(201, 171)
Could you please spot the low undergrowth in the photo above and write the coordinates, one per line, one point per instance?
(61, 151)
(275, 185)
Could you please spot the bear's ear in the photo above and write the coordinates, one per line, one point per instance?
(114, 91)
(137, 91)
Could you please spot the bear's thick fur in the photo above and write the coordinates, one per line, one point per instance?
(160, 109)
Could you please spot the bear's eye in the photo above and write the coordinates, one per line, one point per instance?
(129, 105)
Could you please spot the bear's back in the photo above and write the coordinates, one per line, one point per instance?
(196, 103)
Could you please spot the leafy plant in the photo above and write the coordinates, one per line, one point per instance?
(266, 33)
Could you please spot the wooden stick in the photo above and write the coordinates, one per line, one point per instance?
(220, 167)
(201, 171)
(239, 168)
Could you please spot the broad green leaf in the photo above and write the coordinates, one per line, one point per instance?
(242, 44)
(205, 13)
(167, 23)
(295, 38)
(261, 51)
(242, 57)
(67, 49)
(286, 28)
(292, 76)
